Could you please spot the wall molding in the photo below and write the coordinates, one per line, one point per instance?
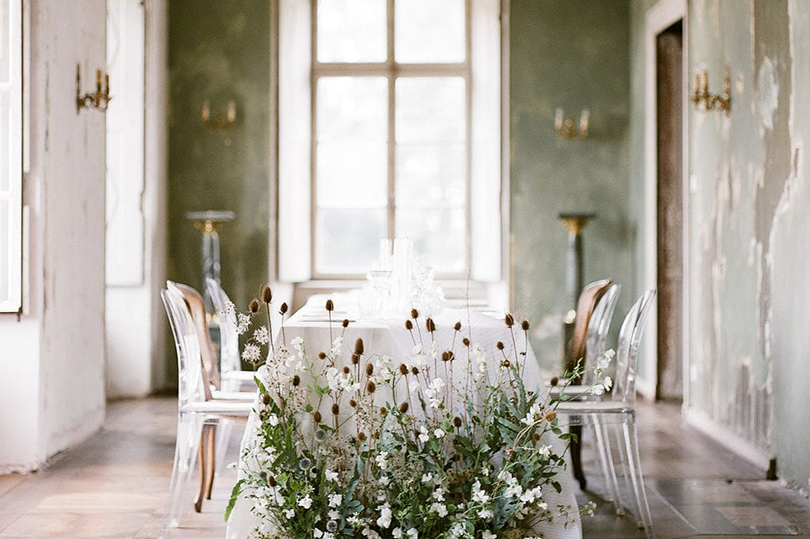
(728, 439)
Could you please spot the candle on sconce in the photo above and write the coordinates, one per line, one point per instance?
(98, 80)
(558, 119)
(206, 111)
(107, 83)
(584, 120)
(231, 112)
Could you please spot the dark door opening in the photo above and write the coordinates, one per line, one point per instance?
(669, 99)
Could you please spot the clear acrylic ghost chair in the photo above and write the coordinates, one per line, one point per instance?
(620, 411)
(231, 373)
(195, 415)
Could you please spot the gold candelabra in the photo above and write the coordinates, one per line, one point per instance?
(565, 127)
(705, 100)
(99, 99)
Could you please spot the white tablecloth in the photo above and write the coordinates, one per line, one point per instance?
(390, 337)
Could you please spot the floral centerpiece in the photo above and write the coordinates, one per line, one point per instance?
(441, 444)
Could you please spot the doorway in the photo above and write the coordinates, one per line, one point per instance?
(670, 225)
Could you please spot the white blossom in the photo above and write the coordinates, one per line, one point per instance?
(251, 353)
(261, 335)
(479, 495)
(335, 500)
(385, 516)
(544, 450)
(485, 514)
(486, 534)
(439, 433)
(439, 508)
(396, 533)
(305, 502)
(330, 475)
(242, 323)
(413, 533)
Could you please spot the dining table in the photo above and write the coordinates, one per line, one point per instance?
(385, 334)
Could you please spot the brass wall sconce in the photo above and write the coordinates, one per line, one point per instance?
(565, 127)
(99, 99)
(222, 120)
(704, 100)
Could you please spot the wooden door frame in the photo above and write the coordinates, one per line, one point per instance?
(657, 19)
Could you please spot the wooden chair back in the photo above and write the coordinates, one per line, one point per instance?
(196, 306)
(588, 299)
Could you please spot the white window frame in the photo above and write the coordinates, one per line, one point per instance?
(487, 187)
(11, 223)
(391, 70)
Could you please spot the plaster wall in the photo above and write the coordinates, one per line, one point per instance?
(53, 358)
(748, 224)
(571, 54)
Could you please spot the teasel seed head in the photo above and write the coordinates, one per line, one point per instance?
(265, 398)
(335, 409)
(499, 345)
(525, 325)
(536, 436)
(414, 313)
(346, 369)
(457, 422)
(506, 363)
(330, 305)
(353, 403)
(284, 308)
(415, 370)
(431, 326)
(355, 359)
(317, 416)
(361, 436)
(551, 415)
(446, 356)
(408, 325)
(457, 327)
(403, 407)
(371, 387)
(271, 480)
(383, 410)
(296, 380)
(345, 322)
(253, 307)
(267, 294)
(369, 369)
(465, 341)
(321, 355)
(509, 320)
(403, 369)
(554, 381)
(358, 347)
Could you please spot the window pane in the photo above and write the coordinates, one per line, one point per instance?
(5, 52)
(431, 175)
(429, 31)
(348, 239)
(352, 174)
(352, 31)
(438, 234)
(430, 109)
(352, 109)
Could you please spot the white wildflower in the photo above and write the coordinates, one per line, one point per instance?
(242, 323)
(273, 420)
(330, 475)
(544, 450)
(439, 508)
(335, 500)
(261, 335)
(384, 480)
(305, 502)
(424, 436)
(485, 514)
(381, 459)
(438, 494)
(396, 533)
(289, 513)
(413, 533)
(251, 353)
(385, 516)
(479, 495)
(486, 534)
(439, 433)
(427, 478)
(333, 514)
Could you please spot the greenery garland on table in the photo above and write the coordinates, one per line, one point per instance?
(360, 445)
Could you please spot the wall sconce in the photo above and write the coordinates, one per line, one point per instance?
(704, 100)
(565, 126)
(222, 120)
(97, 100)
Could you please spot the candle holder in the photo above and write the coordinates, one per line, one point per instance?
(99, 99)
(208, 223)
(221, 120)
(565, 127)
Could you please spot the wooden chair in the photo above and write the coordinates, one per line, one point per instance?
(586, 304)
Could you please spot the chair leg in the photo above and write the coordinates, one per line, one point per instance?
(618, 504)
(601, 452)
(224, 429)
(576, 456)
(185, 453)
(198, 500)
(637, 478)
(211, 461)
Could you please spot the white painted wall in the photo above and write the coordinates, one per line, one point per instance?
(136, 182)
(52, 387)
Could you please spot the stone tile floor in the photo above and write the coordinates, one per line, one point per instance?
(114, 485)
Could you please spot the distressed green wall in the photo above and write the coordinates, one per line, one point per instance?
(749, 222)
(571, 54)
(220, 51)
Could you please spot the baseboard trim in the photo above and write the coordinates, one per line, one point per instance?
(645, 388)
(725, 437)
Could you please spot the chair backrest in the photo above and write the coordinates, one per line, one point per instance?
(228, 339)
(587, 303)
(190, 384)
(627, 354)
(598, 328)
(196, 308)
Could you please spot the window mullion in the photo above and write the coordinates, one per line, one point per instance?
(391, 122)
